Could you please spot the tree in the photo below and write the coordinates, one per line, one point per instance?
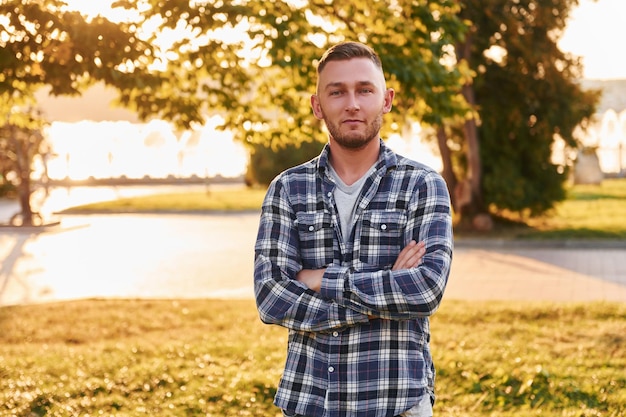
(495, 118)
(21, 140)
(525, 94)
(43, 43)
(266, 161)
(416, 56)
(46, 44)
(415, 53)
(260, 83)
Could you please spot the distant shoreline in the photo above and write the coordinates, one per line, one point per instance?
(171, 180)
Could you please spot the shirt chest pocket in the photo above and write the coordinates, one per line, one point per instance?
(381, 237)
(316, 239)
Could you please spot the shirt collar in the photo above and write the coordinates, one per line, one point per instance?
(387, 158)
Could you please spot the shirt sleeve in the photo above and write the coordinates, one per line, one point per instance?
(407, 293)
(279, 297)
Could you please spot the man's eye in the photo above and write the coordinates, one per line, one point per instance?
(366, 90)
(335, 93)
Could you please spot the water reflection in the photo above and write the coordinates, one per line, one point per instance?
(130, 256)
(55, 199)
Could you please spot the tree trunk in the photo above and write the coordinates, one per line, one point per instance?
(23, 164)
(470, 189)
(448, 171)
(475, 205)
(24, 191)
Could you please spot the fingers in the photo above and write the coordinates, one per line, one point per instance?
(312, 278)
(410, 256)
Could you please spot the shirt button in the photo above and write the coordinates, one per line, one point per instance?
(331, 369)
(311, 228)
(329, 194)
(335, 334)
(383, 226)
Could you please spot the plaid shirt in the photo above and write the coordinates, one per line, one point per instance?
(340, 363)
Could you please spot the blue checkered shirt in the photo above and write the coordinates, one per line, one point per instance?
(341, 363)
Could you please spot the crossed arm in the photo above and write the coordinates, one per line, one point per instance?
(408, 258)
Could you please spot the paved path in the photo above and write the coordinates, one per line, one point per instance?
(166, 256)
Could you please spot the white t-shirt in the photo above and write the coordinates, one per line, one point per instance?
(345, 200)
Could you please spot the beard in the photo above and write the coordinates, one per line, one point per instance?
(355, 139)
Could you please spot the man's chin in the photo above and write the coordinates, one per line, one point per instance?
(353, 141)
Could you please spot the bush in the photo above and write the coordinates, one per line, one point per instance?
(267, 161)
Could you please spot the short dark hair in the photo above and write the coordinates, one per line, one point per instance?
(348, 50)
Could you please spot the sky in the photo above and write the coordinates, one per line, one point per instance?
(597, 32)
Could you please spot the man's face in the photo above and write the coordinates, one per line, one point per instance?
(351, 99)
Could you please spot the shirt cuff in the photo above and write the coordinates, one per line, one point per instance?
(333, 283)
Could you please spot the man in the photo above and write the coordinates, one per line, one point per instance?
(337, 260)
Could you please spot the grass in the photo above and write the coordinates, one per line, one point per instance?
(215, 358)
(589, 212)
(227, 199)
(132, 358)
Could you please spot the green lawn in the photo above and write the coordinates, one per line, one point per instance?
(226, 199)
(589, 212)
(215, 358)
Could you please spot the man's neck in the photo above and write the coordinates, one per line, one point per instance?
(352, 164)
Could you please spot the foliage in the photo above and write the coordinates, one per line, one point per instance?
(415, 56)
(435, 53)
(286, 39)
(260, 83)
(526, 96)
(267, 161)
(46, 45)
(214, 357)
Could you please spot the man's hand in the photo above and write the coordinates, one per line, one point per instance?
(410, 256)
(312, 278)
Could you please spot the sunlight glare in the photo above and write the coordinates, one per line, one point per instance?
(118, 149)
(596, 32)
(93, 8)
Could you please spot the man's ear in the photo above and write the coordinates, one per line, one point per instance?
(388, 102)
(317, 109)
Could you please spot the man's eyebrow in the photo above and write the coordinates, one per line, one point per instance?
(333, 85)
(342, 84)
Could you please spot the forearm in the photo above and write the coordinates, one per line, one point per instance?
(394, 295)
(286, 302)
(410, 289)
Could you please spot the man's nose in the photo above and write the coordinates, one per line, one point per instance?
(353, 103)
